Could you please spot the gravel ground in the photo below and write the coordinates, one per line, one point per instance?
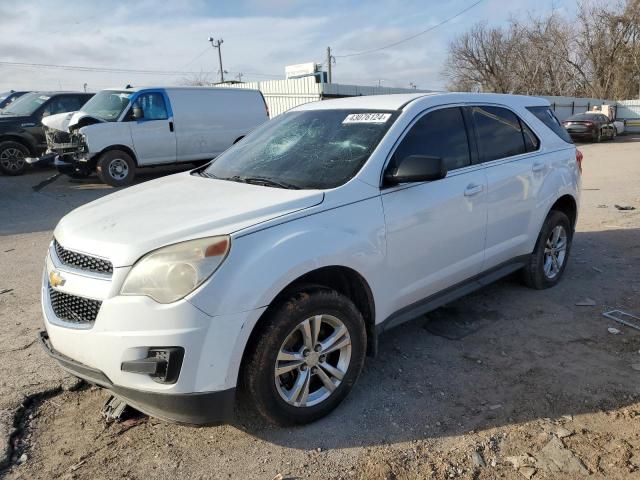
(506, 383)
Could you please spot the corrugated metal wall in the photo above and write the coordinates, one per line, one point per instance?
(282, 95)
(629, 110)
(564, 107)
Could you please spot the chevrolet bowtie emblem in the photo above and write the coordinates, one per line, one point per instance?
(55, 279)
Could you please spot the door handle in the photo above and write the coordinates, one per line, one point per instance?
(171, 126)
(538, 167)
(472, 189)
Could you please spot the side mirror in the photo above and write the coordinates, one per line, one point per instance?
(416, 168)
(137, 113)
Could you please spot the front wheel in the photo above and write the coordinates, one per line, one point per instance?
(307, 357)
(116, 168)
(549, 258)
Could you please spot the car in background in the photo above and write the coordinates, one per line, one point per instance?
(122, 129)
(590, 126)
(21, 131)
(9, 97)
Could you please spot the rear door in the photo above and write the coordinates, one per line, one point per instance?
(435, 230)
(515, 168)
(153, 136)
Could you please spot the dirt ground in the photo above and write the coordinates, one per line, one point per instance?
(508, 383)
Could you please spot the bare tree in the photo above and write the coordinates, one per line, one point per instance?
(596, 54)
(201, 79)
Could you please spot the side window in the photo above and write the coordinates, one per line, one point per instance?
(499, 133)
(531, 142)
(63, 104)
(438, 134)
(152, 104)
(546, 116)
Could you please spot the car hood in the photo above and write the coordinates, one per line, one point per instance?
(62, 121)
(128, 224)
(14, 119)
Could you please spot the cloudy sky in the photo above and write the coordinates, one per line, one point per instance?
(260, 38)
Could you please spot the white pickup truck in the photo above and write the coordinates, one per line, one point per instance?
(119, 130)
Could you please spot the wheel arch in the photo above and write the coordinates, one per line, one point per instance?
(124, 148)
(21, 140)
(567, 204)
(345, 281)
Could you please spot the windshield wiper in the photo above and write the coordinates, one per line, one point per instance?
(267, 182)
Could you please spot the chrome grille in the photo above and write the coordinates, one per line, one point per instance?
(73, 309)
(81, 261)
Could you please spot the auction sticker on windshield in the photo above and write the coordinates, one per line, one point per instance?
(367, 118)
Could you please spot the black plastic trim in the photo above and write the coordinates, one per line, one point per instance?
(451, 293)
(201, 408)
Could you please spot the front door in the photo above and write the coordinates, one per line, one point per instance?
(435, 230)
(153, 136)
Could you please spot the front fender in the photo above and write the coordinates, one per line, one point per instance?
(101, 136)
(261, 264)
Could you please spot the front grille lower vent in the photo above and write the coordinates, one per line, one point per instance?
(82, 261)
(72, 308)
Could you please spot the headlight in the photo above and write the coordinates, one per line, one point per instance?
(171, 273)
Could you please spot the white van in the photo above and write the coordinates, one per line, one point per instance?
(119, 130)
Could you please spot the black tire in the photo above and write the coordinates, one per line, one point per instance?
(116, 168)
(534, 274)
(12, 155)
(259, 380)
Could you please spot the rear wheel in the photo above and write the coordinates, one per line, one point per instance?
(549, 258)
(307, 357)
(12, 158)
(116, 168)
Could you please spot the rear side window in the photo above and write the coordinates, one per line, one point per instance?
(441, 133)
(546, 116)
(501, 134)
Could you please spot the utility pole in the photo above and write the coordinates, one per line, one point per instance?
(85, 87)
(239, 76)
(329, 60)
(217, 44)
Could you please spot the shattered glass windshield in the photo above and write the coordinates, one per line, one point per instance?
(26, 105)
(107, 105)
(313, 149)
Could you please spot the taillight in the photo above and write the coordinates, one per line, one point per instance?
(579, 158)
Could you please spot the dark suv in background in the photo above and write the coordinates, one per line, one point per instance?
(21, 130)
(7, 98)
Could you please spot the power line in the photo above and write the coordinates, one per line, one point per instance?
(365, 52)
(84, 68)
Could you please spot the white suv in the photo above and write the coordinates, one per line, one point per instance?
(276, 267)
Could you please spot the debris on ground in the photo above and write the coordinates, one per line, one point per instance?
(636, 366)
(596, 269)
(6, 290)
(624, 207)
(586, 302)
(623, 318)
(563, 432)
(556, 458)
(114, 409)
(478, 459)
(613, 331)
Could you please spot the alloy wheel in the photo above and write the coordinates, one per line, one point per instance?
(313, 360)
(555, 252)
(12, 159)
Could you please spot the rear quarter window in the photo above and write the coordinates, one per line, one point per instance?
(546, 116)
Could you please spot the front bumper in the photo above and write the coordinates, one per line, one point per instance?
(201, 408)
